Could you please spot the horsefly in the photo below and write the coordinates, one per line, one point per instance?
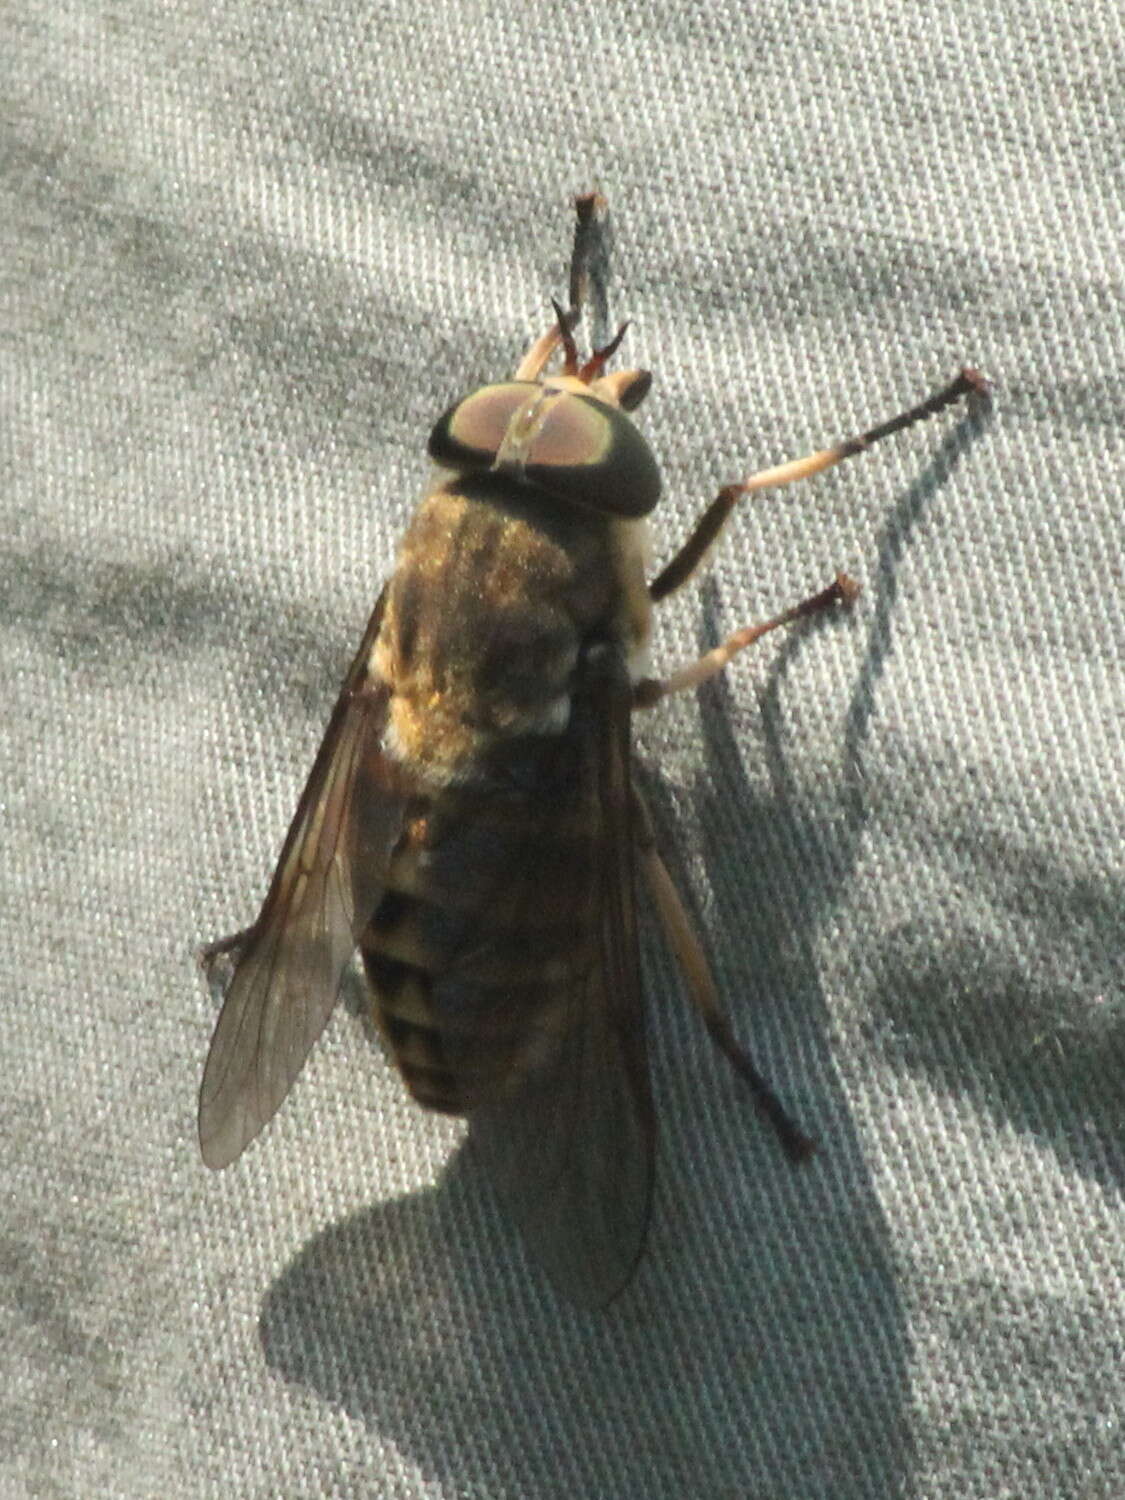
(472, 821)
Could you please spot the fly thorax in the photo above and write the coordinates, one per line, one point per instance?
(448, 728)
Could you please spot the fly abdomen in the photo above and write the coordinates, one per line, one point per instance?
(472, 958)
(405, 1017)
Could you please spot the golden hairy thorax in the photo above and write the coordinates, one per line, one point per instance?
(492, 597)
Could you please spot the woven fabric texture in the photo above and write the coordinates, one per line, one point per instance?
(248, 252)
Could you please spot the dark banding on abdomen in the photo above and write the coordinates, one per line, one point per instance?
(479, 944)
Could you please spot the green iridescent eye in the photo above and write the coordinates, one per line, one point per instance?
(576, 448)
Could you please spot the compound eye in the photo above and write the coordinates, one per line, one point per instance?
(578, 449)
(591, 454)
(469, 435)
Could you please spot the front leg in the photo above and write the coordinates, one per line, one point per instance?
(714, 518)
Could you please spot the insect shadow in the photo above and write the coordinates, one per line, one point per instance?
(1022, 1035)
(762, 1347)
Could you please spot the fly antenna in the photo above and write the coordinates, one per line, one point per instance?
(601, 357)
(566, 321)
(589, 264)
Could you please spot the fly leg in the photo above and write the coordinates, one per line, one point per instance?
(678, 929)
(687, 561)
(688, 951)
(219, 959)
(223, 946)
(650, 690)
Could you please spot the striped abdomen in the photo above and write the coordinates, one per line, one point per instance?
(483, 938)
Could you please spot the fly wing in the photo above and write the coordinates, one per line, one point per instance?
(569, 1139)
(284, 972)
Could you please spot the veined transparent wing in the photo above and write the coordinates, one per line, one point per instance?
(282, 974)
(569, 1142)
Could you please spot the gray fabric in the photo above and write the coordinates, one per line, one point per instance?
(249, 251)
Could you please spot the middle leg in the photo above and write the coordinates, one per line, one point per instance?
(650, 690)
